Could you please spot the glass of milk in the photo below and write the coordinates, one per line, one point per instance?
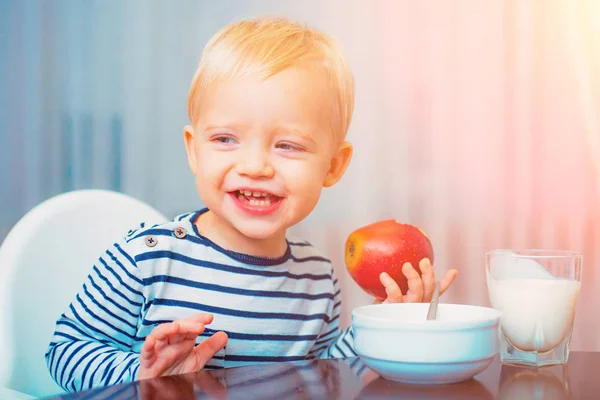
(536, 291)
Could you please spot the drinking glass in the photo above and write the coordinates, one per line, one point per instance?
(536, 291)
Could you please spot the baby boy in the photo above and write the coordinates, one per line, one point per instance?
(269, 108)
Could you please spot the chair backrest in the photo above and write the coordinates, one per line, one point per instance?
(44, 261)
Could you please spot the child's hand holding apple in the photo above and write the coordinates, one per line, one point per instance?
(393, 262)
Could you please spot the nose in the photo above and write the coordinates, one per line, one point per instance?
(255, 163)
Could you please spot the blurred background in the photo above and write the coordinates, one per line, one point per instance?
(478, 121)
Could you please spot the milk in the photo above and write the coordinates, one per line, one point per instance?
(537, 313)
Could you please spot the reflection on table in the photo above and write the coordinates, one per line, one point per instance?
(351, 379)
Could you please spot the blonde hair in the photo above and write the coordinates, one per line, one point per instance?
(265, 46)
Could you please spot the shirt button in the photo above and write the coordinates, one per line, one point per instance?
(151, 241)
(180, 232)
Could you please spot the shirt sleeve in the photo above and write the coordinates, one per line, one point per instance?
(333, 342)
(93, 339)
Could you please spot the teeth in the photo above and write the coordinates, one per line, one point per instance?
(260, 199)
(260, 203)
(250, 193)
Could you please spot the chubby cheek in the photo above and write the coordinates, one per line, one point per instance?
(209, 178)
(307, 199)
(205, 189)
(212, 168)
(304, 186)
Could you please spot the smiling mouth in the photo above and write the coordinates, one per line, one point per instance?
(257, 199)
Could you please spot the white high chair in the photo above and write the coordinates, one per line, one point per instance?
(43, 262)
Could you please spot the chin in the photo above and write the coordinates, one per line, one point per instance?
(258, 232)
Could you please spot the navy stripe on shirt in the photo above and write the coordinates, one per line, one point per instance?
(153, 255)
(239, 313)
(234, 290)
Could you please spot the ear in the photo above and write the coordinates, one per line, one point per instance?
(190, 147)
(338, 164)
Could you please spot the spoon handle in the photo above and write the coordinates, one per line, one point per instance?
(432, 312)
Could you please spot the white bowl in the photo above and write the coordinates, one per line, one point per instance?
(397, 342)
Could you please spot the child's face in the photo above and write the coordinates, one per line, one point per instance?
(263, 150)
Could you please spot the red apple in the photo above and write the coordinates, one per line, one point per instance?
(385, 246)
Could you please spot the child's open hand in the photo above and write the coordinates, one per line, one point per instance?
(420, 288)
(171, 348)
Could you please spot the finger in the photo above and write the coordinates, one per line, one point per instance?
(188, 329)
(161, 344)
(194, 331)
(447, 280)
(415, 284)
(428, 278)
(163, 331)
(147, 353)
(192, 326)
(193, 335)
(204, 318)
(394, 294)
(211, 346)
(148, 346)
(176, 336)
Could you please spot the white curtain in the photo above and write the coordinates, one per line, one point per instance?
(478, 121)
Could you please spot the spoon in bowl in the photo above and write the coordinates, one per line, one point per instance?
(432, 312)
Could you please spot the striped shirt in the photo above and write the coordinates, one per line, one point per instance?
(272, 309)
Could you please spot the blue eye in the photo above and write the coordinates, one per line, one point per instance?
(289, 147)
(224, 139)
